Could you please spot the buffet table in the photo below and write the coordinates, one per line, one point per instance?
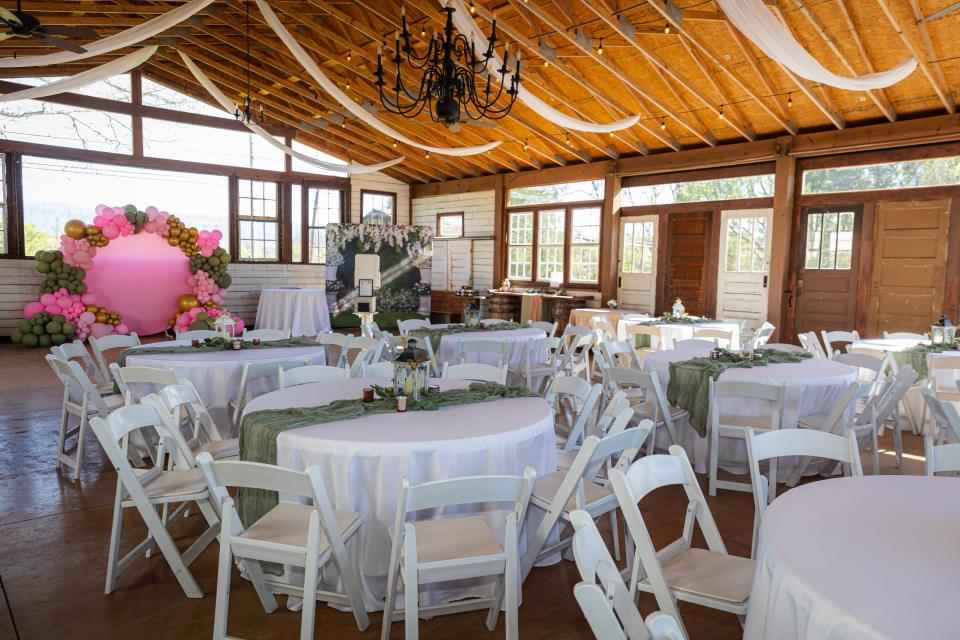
(302, 311)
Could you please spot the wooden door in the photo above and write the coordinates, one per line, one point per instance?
(829, 255)
(636, 285)
(909, 265)
(744, 265)
(686, 262)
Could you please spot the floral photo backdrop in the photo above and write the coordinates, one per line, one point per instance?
(406, 260)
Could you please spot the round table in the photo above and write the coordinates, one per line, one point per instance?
(362, 462)
(216, 375)
(856, 558)
(886, 344)
(515, 339)
(302, 311)
(671, 332)
(813, 386)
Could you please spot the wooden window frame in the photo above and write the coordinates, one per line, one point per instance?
(568, 208)
(393, 194)
(304, 222)
(236, 219)
(441, 216)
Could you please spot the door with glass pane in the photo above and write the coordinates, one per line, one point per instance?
(637, 288)
(744, 265)
(826, 293)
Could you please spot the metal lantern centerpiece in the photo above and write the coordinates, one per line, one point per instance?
(471, 315)
(411, 372)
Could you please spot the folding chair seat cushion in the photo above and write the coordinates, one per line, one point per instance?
(457, 537)
(220, 449)
(707, 573)
(288, 523)
(177, 483)
(546, 487)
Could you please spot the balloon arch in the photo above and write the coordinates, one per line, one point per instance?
(128, 271)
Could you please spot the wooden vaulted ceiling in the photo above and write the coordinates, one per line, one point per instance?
(697, 83)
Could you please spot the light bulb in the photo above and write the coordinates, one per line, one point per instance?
(600, 48)
(525, 145)
(349, 56)
(394, 144)
(663, 125)
(789, 100)
(473, 9)
(721, 112)
(666, 28)
(428, 155)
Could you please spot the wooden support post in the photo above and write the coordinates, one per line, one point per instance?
(780, 236)
(499, 229)
(609, 238)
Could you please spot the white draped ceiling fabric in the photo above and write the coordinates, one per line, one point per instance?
(225, 102)
(112, 68)
(757, 22)
(126, 38)
(353, 107)
(468, 27)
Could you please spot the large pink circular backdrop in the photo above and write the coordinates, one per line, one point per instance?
(140, 277)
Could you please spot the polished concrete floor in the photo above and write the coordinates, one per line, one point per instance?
(54, 533)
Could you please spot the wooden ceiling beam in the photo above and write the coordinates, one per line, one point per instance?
(933, 60)
(890, 112)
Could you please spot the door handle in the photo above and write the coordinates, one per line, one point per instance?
(789, 293)
(765, 281)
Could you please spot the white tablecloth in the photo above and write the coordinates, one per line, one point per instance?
(812, 387)
(513, 338)
(303, 311)
(217, 375)
(363, 460)
(857, 558)
(671, 332)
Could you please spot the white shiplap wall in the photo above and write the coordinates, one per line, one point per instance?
(19, 283)
(478, 209)
(379, 182)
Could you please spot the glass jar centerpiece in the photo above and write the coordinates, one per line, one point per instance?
(748, 345)
(471, 315)
(411, 372)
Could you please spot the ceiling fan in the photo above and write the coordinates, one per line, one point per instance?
(24, 25)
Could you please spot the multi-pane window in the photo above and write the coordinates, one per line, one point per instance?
(520, 246)
(638, 247)
(552, 225)
(585, 245)
(378, 207)
(3, 205)
(323, 208)
(258, 214)
(449, 225)
(746, 245)
(829, 240)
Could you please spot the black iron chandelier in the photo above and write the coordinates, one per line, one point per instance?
(455, 80)
(246, 113)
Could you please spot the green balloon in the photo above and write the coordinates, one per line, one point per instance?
(17, 336)
(198, 325)
(38, 330)
(59, 318)
(53, 327)
(58, 338)
(44, 340)
(30, 340)
(202, 316)
(81, 288)
(42, 267)
(225, 258)
(25, 326)
(213, 261)
(69, 329)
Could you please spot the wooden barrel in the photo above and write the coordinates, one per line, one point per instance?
(561, 312)
(503, 307)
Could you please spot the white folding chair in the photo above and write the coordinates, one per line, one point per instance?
(764, 333)
(656, 339)
(905, 335)
(406, 326)
(495, 348)
(695, 343)
(838, 422)
(154, 378)
(886, 410)
(603, 331)
(197, 334)
(574, 401)
(474, 371)
(155, 487)
(301, 535)
(581, 487)
(603, 596)
(540, 360)
(709, 577)
(942, 431)
(81, 400)
(783, 346)
(182, 404)
(719, 336)
(377, 370)
(363, 350)
(647, 400)
(338, 340)
(76, 350)
(548, 328)
(868, 367)
(100, 347)
(453, 548)
(811, 343)
(267, 335)
(619, 353)
(731, 425)
(576, 359)
(839, 337)
(608, 423)
(370, 329)
(310, 373)
(803, 443)
(943, 457)
(254, 371)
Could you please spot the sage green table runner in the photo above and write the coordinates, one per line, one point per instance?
(435, 335)
(689, 386)
(916, 357)
(259, 429)
(207, 348)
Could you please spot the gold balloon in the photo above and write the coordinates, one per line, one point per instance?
(101, 317)
(187, 301)
(172, 241)
(76, 229)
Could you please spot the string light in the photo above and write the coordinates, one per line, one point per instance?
(666, 29)
(568, 140)
(600, 48)
(394, 144)
(525, 145)
(611, 134)
(349, 56)
(473, 9)
(423, 31)
(789, 100)
(546, 63)
(721, 112)
(428, 155)
(348, 84)
(663, 124)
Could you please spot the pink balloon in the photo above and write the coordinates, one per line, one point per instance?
(88, 298)
(151, 211)
(100, 220)
(47, 298)
(99, 209)
(64, 302)
(99, 329)
(111, 232)
(32, 309)
(122, 329)
(206, 252)
(216, 235)
(150, 227)
(88, 317)
(53, 309)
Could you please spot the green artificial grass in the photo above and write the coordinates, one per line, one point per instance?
(387, 320)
